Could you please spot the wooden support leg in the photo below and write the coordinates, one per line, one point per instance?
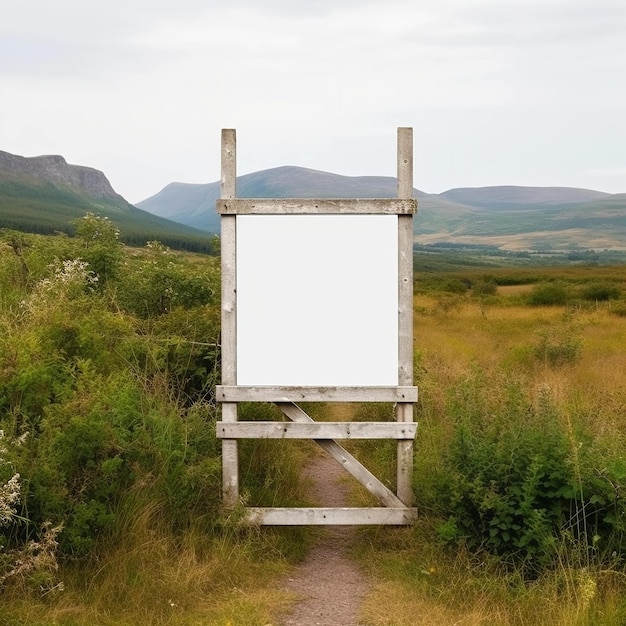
(230, 460)
(405, 457)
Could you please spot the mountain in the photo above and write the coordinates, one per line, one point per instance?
(507, 217)
(45, 194)
(194, 204)
(55, 169)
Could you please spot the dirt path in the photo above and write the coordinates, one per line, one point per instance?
(330, 584)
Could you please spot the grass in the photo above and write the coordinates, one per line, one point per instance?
(233, 576)
(154, 578)
(419, 585)
(423, 581)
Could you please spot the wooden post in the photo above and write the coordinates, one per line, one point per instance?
(405, 320)
(405, 163)
(230, 456)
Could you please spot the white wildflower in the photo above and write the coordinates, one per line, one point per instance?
(9, 492)
(9, 498)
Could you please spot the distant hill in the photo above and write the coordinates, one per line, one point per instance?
(507, 217)
(536, 218)
(46, 194)
(513, 196)
(194, 204)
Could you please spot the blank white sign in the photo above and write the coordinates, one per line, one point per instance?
(317, 300)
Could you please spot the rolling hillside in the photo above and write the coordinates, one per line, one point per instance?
(195, 204)
(46, 194)
(507, 217)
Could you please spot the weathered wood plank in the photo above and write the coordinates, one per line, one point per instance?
(229, 264)
(243, 393)
(230, 460)
(228, 342)
(404, 460)
(322, 516)
(330, 206)
(228, 186)
(404, 411)
(346, 460)
(230, 452)
(405, 300)
(405, 162)
(316, 430)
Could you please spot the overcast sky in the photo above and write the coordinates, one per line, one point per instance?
(498, 92)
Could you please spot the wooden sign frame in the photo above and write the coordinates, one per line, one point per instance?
(396, 507)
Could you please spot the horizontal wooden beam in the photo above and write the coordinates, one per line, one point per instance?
(322, 516)
(245, 393)
(330, 206)
(316, 430)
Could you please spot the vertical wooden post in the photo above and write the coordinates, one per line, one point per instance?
(405, 163)
(405, 319)
(229, 164)
(230, 456)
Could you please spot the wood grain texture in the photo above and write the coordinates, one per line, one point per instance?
(339, 206)
(241, 393)
(316, 430)
(322, 516)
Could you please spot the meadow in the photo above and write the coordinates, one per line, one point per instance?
(519, 464)
(110, 470)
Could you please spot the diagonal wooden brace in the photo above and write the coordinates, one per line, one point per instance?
(344, 458)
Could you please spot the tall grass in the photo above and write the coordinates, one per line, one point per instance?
(107, 401)
(511, 387)
(519, 469)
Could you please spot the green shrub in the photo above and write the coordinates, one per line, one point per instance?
(100, 246)
(600, 291)
(119, 409)
(484, 287)
(159, 281)
(454, 285)
(110, 439)
(548, 294)
(518, 483)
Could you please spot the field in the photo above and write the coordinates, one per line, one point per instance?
(110, 469)
(512, 369)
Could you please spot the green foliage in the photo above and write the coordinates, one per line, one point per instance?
(548, 294)
(115, 408)
(600, 291)
(159, 282)
(442, 283)
(111, 438)
(269, 467)
(484, 287)
(518, 482)
(100, 242)
(47, 209)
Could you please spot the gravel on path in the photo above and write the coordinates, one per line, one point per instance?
(329, 584)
